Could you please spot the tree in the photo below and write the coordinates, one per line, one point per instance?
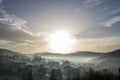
(52, 76)
(37, 58)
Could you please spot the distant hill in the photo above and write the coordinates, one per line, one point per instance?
(96, 59)
(115, 52)
(109, 59)
(80, 53)
(9, 56)
(7, 52)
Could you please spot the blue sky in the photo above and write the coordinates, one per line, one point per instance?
(94, 23)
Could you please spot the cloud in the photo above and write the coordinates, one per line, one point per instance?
(111, 21)
(92, 3)
(86, 4)
(19, 39)
(108, 11)
(17, 34)
(12, 27)
(13, 31)
(99, 45)
(113, 12)
(10, 19)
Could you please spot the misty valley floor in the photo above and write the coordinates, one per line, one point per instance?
(17, 66)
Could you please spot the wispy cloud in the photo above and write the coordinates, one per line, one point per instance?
(13, 31)
(111, 21)
(12, 27)
(92, 3)
(113, 12)
(86, 4)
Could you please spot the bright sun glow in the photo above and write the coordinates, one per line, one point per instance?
(61, 42)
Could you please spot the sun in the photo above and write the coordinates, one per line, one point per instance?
(61, 42)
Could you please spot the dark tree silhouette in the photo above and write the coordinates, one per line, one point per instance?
(6, 79)
(27, 75)
(119, 70)
(53, 77)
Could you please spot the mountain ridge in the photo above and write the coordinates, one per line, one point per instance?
(117, 51)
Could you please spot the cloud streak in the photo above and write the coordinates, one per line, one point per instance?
(15, 34)
(111, 21)
(12, 28)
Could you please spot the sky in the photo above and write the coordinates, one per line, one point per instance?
(26, 24)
